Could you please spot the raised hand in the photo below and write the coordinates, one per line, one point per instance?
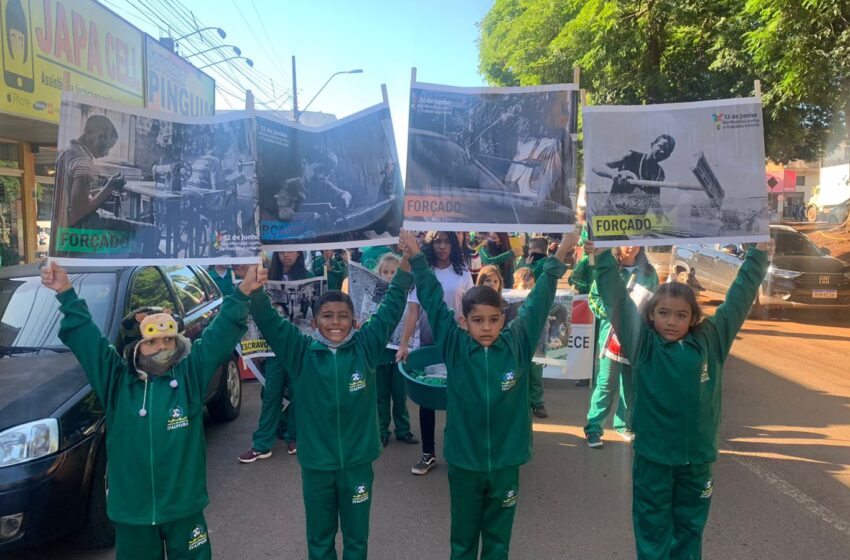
(568, 243)
(54, 277)
(254, 279)
(408, 243)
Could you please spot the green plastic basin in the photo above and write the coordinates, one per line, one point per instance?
(428, 396)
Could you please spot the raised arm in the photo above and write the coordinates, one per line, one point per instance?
(375, 333)
(504, 257)
(430, 293)
(730, 314)
(100, 361)
(223, 333)
(619, 308)
(532, 315)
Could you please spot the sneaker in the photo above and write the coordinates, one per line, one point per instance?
(425, 464)
(252, 455)
(594, 441)
(291, 448)
(583, 383)
(409, 438)
(540, 411)
(385, 440)
(627, 435)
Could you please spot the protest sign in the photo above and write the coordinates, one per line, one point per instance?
(135, 186)
(491, 159)
(657, 174)
(294, 301)
(566, 343)
(367, 291)
(329, 187)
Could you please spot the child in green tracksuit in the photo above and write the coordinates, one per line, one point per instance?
(154, 397)
(615, 372)
(677, 361)
(333, 373)
(488, 422)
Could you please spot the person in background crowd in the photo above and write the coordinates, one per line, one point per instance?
(222, 275)
(497, 250)
(444, 256)
(615, 371)
(334, 264)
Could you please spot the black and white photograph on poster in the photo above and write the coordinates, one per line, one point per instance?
(293, 300)
(656, 174)
(554, 340)
(367, 290)
(491, 159)
(329, 187)
(134, 185)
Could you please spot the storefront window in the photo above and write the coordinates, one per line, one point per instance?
(11, 221)
(10, 156)
(45, 162)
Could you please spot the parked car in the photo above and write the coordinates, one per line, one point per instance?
(52, 446)
(800, 276)
(659, 258)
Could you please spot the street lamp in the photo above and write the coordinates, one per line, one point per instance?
(298, 113)
(218, 30)
(248, 61)
(235, 49)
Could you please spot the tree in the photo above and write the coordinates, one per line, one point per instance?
(648, 51)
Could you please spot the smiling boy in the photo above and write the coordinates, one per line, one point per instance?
(488, 426)
(333, 373)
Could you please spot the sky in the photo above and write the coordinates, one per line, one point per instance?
(384, 38)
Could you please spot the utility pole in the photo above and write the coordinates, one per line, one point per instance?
(295, 115)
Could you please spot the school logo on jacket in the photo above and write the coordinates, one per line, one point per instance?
(510, 498)
(703, 377)
(508, 381)
(361, 494)
(708, 490)
(198, 538)
(177, 419)
(358, 382)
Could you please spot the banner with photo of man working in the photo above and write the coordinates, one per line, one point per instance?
(329, 187)
(294, 301)
(491, 159)
(137, 186)
(658, 174)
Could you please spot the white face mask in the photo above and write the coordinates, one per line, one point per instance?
(159, 362)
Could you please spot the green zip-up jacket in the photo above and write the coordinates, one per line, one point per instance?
(582, 275)
(157, 463)
(645, 276)
(337, 412)
(677, 384)
(488, 420)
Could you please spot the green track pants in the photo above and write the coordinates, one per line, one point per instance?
(333, 499)
(182, 539)
(535, 386)
(270, 413)
(483, 508)
(611, 379)
(391, 388)
(669, 509)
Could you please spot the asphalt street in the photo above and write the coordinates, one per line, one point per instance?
(782, 481)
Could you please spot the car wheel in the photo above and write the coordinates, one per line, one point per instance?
(812, 213)
(228, 403)
(683, 276)
(761, 310)
(98, 531)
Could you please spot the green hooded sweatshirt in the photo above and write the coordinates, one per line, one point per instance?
(488, 420)
(677, 384)
(337, 412)
(157, 462)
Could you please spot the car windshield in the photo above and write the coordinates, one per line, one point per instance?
(30, 312)
(795, 244)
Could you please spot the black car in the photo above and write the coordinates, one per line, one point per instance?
(52, 446)
(800, 276)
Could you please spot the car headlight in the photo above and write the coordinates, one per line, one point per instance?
(29, 441)
(782, 273)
